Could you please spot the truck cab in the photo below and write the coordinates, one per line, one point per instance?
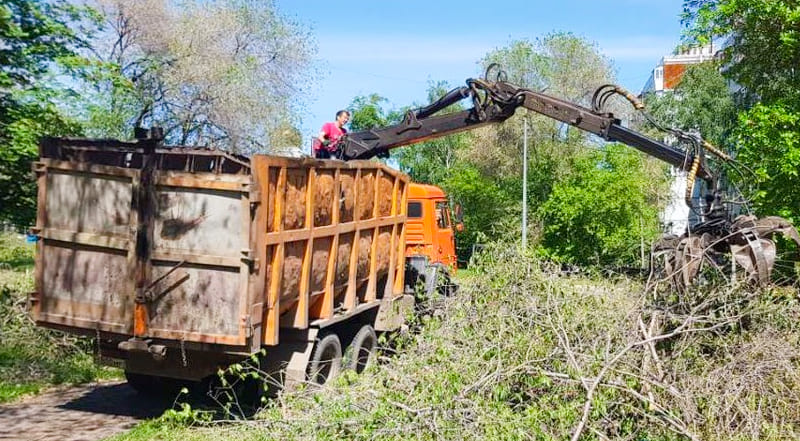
(430, 229)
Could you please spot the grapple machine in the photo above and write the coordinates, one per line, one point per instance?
(748, 241)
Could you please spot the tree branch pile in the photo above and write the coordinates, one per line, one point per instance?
(524, 352)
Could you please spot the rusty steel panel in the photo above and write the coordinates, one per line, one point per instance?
(202, 304)
(88, 203)
(85, 287)
(199, 221)
(199, 235)
(84, 272)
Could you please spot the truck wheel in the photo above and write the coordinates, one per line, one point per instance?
(326, 360)
(361, 351)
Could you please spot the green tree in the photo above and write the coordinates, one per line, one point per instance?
(574, 182)
(602, 213)
(764, 47)
(700, 102)
(768, 141)
(762, 56)
(433, 161)
(367, 113)
(36, 36)
(482, 168)
(565, 66)
(228, 73)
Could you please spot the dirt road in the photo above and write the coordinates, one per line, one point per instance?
(83, 413)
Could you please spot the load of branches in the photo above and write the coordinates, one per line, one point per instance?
(525, 351)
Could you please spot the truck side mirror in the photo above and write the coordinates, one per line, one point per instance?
(458, 215)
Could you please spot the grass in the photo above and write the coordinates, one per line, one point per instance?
(33, 358)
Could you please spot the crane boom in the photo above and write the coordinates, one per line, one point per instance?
(747, 239)
(495, 102)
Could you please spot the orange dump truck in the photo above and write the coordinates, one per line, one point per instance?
(180, 261)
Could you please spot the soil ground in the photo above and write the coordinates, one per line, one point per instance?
(82, 413)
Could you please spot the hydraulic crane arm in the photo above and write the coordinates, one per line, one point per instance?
(494, 102)
(747, 238)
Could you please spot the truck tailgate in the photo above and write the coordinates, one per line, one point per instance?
(143, 242)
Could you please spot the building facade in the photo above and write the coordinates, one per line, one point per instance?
(668, 73)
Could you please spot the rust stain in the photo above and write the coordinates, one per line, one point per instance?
(175, 228)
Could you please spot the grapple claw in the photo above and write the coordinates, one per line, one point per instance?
(748, 240)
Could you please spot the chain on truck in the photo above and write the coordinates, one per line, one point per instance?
(183, 260)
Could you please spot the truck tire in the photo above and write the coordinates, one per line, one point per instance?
(326, 360)
(361, 351)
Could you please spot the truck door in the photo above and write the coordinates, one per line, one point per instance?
(444, 240)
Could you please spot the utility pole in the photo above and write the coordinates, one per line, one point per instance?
(525, 184)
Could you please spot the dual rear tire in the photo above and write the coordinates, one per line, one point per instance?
(328, 359)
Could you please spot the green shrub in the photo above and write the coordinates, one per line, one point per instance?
(32, 357)
(15, 252)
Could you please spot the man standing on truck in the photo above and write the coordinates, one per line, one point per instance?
(326, 142)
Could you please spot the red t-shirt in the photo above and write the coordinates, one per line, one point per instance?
(333, 133)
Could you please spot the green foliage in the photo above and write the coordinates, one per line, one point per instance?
(601, 212)
(482, 169)
(765, 49)
(763, 56)
(564, 64)
(185, 415)
(432, 161)
(15, 253)
(32, 357)
(36, 35)
(768, 142)
(111, 105)
(485, 203)
(367, 112)
(224, 73)
(22, 124)
(574, 195)
(701, 102)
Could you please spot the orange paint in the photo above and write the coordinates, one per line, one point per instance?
(673, 74)
(139, 320)
(429, 228)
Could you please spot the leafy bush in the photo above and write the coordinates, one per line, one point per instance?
(33, 357)
(14, 252)
(602, 212)
(768, 142)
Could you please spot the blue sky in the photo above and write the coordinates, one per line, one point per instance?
(396, 48)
